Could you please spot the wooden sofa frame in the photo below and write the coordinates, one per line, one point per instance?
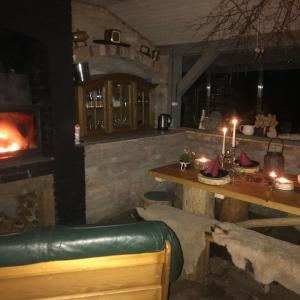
(127, 277)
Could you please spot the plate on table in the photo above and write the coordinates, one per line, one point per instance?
(222, 178)
(222, 173)
(253, 164)
(253, 168)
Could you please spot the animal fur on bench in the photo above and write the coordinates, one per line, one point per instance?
(271, 259)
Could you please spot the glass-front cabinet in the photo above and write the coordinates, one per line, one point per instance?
(114, 103)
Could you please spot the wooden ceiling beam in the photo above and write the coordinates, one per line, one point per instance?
(200, 66)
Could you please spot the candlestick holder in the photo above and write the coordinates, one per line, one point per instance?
(228, 159)
(221, 160)
(232, 152)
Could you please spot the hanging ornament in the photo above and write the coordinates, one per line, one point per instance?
(259, 49)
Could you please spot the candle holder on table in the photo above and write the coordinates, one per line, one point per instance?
(228, 159)
(200, 163)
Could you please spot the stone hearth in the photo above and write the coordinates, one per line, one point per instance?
(26, 203)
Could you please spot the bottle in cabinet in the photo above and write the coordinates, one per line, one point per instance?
(91, 103)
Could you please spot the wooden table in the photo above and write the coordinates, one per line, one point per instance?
(198, 198)
(241, 188)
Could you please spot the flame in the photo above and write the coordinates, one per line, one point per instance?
(10, 137)
(284, 180)
(203, 159)
(273, 174)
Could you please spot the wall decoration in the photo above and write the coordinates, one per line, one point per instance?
(145, 50)
(112, 35)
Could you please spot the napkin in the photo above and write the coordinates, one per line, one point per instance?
(244, 160)
(213, 168)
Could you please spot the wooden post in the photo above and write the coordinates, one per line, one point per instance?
(233, 210)
(199, 202)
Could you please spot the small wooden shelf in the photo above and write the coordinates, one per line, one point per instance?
(104, 42)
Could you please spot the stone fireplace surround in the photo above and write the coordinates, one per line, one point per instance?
(27, 203)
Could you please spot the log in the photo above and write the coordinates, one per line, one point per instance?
(270, 222)
(233, 210)
(202, 203)
(198, 202)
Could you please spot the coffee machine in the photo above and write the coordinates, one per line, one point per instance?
(164, 121)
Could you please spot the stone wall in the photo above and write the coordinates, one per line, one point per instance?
(117, 172)
(94, 20)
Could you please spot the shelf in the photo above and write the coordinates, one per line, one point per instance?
(104, 42)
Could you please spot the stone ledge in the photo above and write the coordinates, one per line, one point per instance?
(131, 135)
(240, 137)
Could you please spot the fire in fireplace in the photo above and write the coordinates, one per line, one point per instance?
(19, 132)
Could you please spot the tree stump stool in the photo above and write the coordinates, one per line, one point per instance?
(158, 197)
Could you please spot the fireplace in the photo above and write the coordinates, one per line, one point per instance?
(26, 125)
(19, 130)
(36, 55)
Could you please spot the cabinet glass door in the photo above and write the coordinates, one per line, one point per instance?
(95, 109)
(143, 108)
(120, 105)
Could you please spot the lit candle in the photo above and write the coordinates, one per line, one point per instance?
(234, 121)
(283, 180)
(224, 140)
(203, 159)
(273, 174)
(284, 184)
(298, 179)
(201, 162)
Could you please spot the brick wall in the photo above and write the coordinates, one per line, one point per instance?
(117, 172)
(94, 20)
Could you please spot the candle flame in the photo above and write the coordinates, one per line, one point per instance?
(273, 174)
(283, 180)
(225, 130)
(234, 121)
(203, 159)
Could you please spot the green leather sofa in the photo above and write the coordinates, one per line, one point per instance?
(69, 243)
